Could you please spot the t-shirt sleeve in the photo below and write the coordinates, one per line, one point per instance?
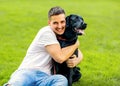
(48, 38)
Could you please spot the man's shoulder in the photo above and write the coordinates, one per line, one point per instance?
(46, 28)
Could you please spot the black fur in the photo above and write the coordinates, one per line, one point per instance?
(73, 24)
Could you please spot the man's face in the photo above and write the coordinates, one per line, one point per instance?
(57, 23)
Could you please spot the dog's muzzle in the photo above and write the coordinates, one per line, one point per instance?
(79, 31)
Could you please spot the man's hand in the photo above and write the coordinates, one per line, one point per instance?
(72, 61)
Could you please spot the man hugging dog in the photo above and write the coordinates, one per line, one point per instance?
(75, 27)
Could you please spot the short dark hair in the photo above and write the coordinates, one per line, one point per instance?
(55, 11)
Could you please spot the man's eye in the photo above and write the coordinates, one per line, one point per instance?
(62, 21)
(55, 23)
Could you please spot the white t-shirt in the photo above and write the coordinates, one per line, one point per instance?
(37, 57)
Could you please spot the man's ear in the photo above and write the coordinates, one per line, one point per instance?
(49, 22)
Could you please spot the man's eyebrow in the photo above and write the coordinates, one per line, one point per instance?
(55, 22)
(63, 21)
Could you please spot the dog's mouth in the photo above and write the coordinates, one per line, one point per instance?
(79, 31)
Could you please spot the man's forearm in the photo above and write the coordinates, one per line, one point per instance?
(68, 51)
(61, 55)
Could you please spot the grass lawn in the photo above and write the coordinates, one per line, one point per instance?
(20, 21)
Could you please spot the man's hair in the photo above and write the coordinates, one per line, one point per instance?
(55, 11)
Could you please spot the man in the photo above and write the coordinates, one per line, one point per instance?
(36, 66)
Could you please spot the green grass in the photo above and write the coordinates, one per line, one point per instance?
(20, 20)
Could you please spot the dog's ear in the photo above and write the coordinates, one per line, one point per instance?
(68, 21)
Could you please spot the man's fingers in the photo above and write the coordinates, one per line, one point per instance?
(73, 56)
(70, 65)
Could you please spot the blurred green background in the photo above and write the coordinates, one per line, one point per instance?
(20, 21)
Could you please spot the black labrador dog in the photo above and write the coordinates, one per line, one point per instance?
(75, 26)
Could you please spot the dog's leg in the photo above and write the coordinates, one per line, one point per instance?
(70, 77)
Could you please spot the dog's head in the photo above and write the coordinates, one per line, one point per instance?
(76, 23)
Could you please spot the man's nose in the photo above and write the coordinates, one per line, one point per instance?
(59, 25)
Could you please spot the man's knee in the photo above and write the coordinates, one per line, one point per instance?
(62, 80)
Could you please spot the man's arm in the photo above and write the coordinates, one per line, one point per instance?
(75, 60)
(61, 55)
